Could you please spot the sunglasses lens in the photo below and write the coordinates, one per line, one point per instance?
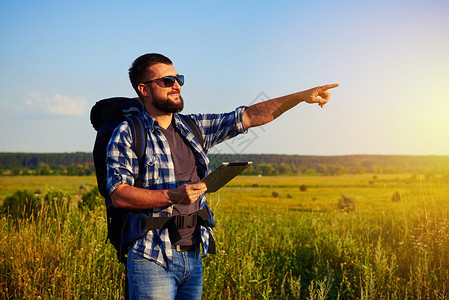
(169, 81)
(180, 79)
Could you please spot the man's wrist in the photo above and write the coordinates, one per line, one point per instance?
(170, 196)
(300, 97)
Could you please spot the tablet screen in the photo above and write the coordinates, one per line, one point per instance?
(223, 174)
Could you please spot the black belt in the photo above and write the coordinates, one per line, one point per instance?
(180, 221)
(183, 248)
(173, 224)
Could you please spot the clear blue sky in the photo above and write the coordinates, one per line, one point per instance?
(391, 58)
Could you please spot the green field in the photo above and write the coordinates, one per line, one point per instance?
(69, 184)
(274, 241)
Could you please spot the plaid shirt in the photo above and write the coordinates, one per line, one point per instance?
(123, 167)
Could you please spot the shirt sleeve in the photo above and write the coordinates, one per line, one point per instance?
(121, 161)
(218, 128)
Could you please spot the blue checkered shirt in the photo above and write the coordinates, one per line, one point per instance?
(123, 167)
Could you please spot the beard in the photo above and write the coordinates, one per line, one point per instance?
(168, 106)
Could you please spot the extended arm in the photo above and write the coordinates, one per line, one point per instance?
(264, 112)
(130, 197)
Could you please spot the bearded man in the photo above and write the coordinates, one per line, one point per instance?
(159, 266)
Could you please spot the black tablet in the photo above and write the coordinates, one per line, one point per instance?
(223, 174)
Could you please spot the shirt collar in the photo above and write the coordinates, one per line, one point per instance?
(178, 122)
(149, 120)
(153, 124)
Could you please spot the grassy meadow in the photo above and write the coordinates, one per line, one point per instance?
(283, 237)
(72, 185)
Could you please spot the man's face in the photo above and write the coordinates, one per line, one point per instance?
(164, 99)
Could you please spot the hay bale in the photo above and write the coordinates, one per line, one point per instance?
(347, 203)
(396, 197)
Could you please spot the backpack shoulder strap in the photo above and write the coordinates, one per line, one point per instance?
(194, 128)
(139, 143)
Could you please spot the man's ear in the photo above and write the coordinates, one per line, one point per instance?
(143, 89)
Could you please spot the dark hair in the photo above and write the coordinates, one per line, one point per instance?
(140, 67)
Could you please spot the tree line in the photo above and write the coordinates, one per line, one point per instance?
(76, 163)
(81, 163)
(272, 164)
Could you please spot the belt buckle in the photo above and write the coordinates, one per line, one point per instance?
(184, 248)
(189, 220)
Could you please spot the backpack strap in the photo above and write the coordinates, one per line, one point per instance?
(194, 128)
(117, 215)
(139, 143)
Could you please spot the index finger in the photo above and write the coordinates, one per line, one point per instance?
(199, 185)
(329, 86)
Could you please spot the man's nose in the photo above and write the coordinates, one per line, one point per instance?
(177, 86)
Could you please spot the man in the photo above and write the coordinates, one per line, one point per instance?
(159, 265)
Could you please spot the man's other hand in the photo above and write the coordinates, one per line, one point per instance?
(187, 193)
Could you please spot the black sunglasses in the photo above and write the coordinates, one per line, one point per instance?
(169, 81)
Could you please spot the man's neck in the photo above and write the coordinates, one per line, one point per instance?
(164, 119)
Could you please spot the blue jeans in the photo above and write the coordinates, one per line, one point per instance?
(149, 280)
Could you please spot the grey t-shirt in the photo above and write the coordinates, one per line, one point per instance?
(185, 172)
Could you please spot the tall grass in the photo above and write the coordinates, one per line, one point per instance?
(370, 257)
(383, 250)
(299, 246)
(59, 255)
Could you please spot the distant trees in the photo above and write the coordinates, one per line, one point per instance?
(78, 163)
(270, 164)
(81, 164)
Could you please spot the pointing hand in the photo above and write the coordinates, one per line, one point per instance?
(318, 94)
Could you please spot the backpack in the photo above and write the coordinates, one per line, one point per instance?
(105, 116)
